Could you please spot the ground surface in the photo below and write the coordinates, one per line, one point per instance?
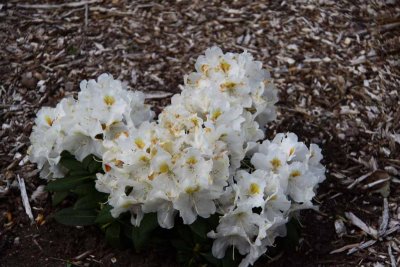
(337, 68)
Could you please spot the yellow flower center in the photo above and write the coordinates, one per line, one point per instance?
(153, 152)
(127, 205)
(274, 197)
(191, 160)
(204, 68)
(225, 66)
(254, 189)
(139, 143)
(144, 159)
(195, 121)
(291, 152)
(295, 173)
(215, 115)
(276, 163)
(164, 168)
(167, 146)
(228, 86)
(154, 140)
(48, 120)
(121, 133)
(109, 100)
(192, 189)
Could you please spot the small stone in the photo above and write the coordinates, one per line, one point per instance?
(28, 81)
(326, 59)
(290, 61)
(39, 76)
(392, 170)
(340, 228)
(69, 86)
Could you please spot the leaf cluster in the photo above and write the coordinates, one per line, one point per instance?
(90, 207)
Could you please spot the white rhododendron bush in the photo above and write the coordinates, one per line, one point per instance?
(203, 161)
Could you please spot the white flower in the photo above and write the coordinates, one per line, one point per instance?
(251, 187)
(194, 201)
(103, 110)
(192, 160)
(236, 228)
(277, 203)
(273, 159)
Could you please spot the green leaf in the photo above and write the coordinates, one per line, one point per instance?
(185, 233)
(231, 258)
(91, 201)
(180, 244)
(67, 183)
(66, 154)
(104, 216)
(72, 217)
(211, 259)
(85, 189)
(113, 234)
(200, 228)
(71, 164)
(127, 230)
(141, 234)
(92, 164)
(95, 166)
(293, 234)
(79, 173)
(86, 161)
(58, 197)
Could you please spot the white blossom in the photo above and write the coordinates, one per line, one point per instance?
(192, 161)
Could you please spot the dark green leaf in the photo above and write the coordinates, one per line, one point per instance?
(185, 258)
(85, 189)
(72, 217)
(211, 259)
(230, 260)
(67, 183)
(86, 161)
(79, 173)
(95, 166)
(66, 154)
(293, 234)
(104, 215)
(127, 231)
(113, 234)
(58, 197)
(141, 234)
(71, 164)
(92, 164)
(180, 244)
(185, 233)
(200, 228)
(91, 201)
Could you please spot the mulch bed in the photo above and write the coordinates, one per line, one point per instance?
(336, 65)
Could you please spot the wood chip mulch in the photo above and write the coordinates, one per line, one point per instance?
(336, 65)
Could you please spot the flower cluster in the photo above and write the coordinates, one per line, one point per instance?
(202, 156)
(260, 201)
(183, 162)
(102, 110)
